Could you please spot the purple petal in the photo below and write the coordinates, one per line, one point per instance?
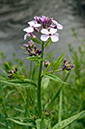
(44, 31)
(28, 29)
(44, 37)
(36, 18)
(54, 38)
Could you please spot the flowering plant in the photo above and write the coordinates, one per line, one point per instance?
(47, 28)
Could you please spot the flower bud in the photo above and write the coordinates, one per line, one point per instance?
(45, 64)
(25, 45)
(34, 53)
(9, 71)
(35, 47)
(30, 54)
(9, 75)
(36, 29)
(28, 49)
(40, 51)
(67, 65)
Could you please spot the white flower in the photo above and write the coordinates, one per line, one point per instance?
(49, 34)
(33, 24)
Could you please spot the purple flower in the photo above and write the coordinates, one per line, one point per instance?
(9, 75)
(44, 21)
(29, 34)
(67, 65)
(49, 34)
(33, 24)
(46, 63)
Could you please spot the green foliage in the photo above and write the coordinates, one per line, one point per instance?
(66, 122)
(58, 62)
(42, 123)
(19, 106)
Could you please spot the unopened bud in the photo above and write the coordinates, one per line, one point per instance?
(9, 75)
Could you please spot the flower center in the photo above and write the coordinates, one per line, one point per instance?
(50, 34)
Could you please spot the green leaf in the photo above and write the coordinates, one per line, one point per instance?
(54, 78)
(45, 82)
(21, 83)
(33, 58)
(7, 66)
(58, 92)
(49, 41)
(20, 122)
(49, 55)
(68, 121)
(19, 110)
(58, 62)
(42, 124)
(34, 40)
(4, 125)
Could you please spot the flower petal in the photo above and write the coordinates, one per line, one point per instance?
(44, 37)
(54, 38)
(28, 29)
(53, 31)
(44, 31)
(37, 25)
(59, 26)
(55, 22)
(31, 23)
(34, 23)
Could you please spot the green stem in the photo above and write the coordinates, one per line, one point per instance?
(60, 107)
(28, 91)
(3, 99)
(39, 84)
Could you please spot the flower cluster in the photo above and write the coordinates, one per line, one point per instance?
(32, 49)
(47, 27)
(48, 112)
(46, 63)
(11, 72)
(67, 65)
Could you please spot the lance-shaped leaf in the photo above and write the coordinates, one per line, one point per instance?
(33, 58)
(49, 55)
(42, 124)
(58, 62)
(58, 91)
(45, 82)
(34, 40)
(68, 121)
(49, 41)
(20, 122)
(55, 78)
(21, 83)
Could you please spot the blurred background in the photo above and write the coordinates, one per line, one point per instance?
(14, 15)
